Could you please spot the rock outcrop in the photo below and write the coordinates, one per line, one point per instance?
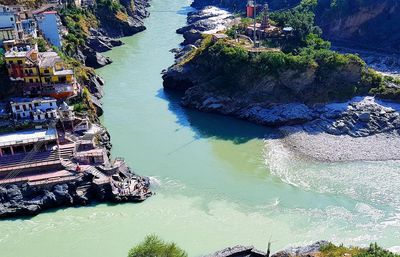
(27, 200)
(250, 251)
(111, 26)
(207, 20)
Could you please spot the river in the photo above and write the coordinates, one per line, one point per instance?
(218, 185)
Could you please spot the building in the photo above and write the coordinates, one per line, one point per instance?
(50, 26)
(30, 149)
(16, 23)
(19, 58)
(43, 74)
(52, 69)
(36, 109)
(10, 24)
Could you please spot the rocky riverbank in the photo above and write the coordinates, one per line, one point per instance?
(110, 28)
(317, 249)
(68, 184)
(27, 199)
(303, 99)
(207, 20)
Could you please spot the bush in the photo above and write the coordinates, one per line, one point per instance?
(153, 246)
(331, 250)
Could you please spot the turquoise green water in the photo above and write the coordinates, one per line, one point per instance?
(218, 185)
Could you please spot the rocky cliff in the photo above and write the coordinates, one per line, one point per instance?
(368, 23)
(97, 29)
(125, 23)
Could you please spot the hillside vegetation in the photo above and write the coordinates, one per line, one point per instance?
(301, 68)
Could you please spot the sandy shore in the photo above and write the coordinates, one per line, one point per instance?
(330, 148)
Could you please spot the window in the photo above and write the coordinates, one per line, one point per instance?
(10, 62)
(11, 19)
(46, 71)
(47, 80)
(17, 107)
(37, 80)
(19, 62)
(31, 80)
(36, 104)
(51, 104)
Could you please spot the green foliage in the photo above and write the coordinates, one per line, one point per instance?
(41, 43)
(231, 55)
(205, 44)
(301, 19)
(78, 22)
(1, 59)
(316, 42)
(112, 5)
(152, 246)
(331, 250)
(80, 107)
(376, 251)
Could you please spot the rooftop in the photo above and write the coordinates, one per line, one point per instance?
(29, 100)
(48, 59)
(64, 72)
(15, 54)
(28, 136)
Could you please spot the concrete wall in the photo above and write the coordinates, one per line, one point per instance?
(7, 20)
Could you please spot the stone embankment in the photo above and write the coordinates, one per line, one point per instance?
(83, 188)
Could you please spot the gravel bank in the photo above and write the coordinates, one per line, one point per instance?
(331, 148)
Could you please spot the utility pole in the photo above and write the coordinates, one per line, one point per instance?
(255, 32)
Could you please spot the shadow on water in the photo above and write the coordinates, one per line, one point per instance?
(185, 10)
(208, 125)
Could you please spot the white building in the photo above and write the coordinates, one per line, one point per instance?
(36, 109)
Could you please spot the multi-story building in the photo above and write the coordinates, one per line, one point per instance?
(36, 109)
(50, 26)
(10, 24)
(16, 23)
(43, 74)
(19, 58)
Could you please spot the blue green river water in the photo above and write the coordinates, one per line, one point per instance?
(219, 185)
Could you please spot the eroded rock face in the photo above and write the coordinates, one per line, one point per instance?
(105, 37)
(25, 200)
(363, 24)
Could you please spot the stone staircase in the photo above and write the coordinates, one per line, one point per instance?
(30, 160)
(67, 151)
(95, 172)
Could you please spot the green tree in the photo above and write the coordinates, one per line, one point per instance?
(376, 251)
(153, 246)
